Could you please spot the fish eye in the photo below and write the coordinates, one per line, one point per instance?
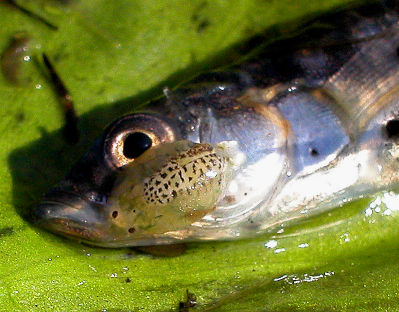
(130, 136)
(135, 144)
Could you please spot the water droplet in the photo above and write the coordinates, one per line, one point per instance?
(93, 268)
(280, 278)
(345, 237)
(387, 212)
(271, 244)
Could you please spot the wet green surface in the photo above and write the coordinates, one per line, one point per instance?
(113, 56)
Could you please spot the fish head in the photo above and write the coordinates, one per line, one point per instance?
(137, 183)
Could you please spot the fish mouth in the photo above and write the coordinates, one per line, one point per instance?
(68, 214)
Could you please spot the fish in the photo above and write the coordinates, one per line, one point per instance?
(298, 128)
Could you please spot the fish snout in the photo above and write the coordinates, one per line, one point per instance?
(67, 214)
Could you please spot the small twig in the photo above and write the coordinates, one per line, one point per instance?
(31, 14)
(70, 130)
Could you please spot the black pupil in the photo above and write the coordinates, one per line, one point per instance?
(392, 128)
(135, 144)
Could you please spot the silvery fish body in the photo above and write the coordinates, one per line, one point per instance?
(308, 123)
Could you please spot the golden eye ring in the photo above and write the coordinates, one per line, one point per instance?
(148, 127)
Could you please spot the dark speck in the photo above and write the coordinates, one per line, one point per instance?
(128, 280)
(191, 301)
(202, 25)
(20, 117)
(314, 152)
(132, 230)
(6, 231)
(392, 128)
(114, 214)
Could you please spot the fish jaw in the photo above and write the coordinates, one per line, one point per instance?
(70, 215)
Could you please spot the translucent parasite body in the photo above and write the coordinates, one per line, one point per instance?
(306, 124)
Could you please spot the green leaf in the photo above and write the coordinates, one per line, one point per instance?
(114, 56)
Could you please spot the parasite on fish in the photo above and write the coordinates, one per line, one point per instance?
(306, 124)
(70, 130)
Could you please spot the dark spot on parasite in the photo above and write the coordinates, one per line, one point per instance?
(114, 214)
(392, 128)
(132, 230)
